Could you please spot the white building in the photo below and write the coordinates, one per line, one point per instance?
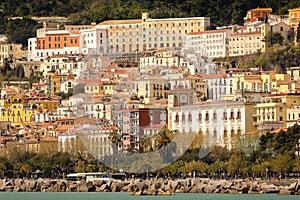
(211, 43)
(217, 85)
(52, 42)
(221, 121)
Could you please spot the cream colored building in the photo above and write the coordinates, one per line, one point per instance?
(164, 59)
(147, 33)
(267, 82)
(244, 43)
(278, 111)
(10, 52)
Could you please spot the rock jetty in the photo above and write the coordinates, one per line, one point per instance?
(152, 187)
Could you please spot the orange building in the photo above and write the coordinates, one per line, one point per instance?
(257, 14)
(57, 40)
(52, 42)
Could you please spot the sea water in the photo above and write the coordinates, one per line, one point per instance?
(127, 196)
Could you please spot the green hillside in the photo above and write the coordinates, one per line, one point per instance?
(222, 12)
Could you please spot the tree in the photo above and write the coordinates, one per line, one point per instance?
(165, 145)
(237, 164)
(273, 38)
(281, 164)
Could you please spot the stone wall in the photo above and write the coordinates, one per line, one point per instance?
(151, 187)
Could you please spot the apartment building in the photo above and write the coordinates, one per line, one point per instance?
(244, 43)
(257, 14)
(217, 85)
(20, 109)
(161, 58)
(64, 64)
(278, 111)
(265, 82)
(143, 34)
(200, 87)
(219, 121)
(51, 42)
(10, 52)
(294, 18)
(125, 116)
(213, 42)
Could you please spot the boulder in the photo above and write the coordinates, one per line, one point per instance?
(269, 188)
(97, 182)
(18, 182)
(293, 187)
(285, 191)
(8, 188)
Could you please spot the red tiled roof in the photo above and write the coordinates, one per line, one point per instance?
(64, 127)
(155, 126)
(209, 76)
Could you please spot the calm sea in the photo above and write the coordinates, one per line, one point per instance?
(125, 196)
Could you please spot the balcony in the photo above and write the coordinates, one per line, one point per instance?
(268, 125)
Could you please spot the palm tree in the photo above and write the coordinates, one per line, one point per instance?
(165, 145)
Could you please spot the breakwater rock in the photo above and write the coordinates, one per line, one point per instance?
(151, 187)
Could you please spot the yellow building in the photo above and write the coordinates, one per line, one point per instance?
(107, 87)
(152, 88)
(21, 110)
(16, 110)
(267, 82)
(54, 82)
(244, 43)
(275, 112)
(294, 18)
(91, 86)
(199, 86)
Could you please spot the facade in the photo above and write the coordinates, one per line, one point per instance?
(64, 64)
(257, 14)
(221, 121)
(278, 111)
(199, 86)
(212, 42)
(10, 52)
(53, 42)
(244, 43)
(294, 18)
(217, 85)
(143, 34)
(125, 116)
(151, 116)
(162, 59)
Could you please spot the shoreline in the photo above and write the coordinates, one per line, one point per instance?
(139, 187)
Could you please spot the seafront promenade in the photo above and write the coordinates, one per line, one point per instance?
(152, 187)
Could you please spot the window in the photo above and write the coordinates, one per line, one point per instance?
(238, 115)
(207, 116)
(190, 117)
(231, 115)
(200, 117)
(215, 115)
(183, 117)
(177, 118)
